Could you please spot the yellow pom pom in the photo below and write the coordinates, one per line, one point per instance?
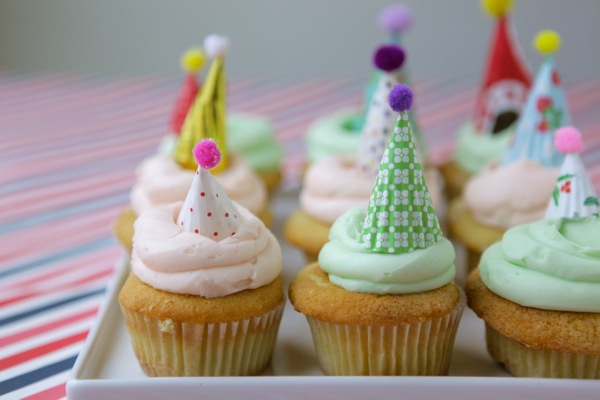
(192, 60)
(497, 8)
(547, 41)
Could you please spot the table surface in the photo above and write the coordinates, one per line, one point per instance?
(70, 144)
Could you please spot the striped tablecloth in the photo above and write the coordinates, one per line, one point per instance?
(69, 146)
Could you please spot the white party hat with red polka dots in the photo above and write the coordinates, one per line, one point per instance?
(207, 210)
(400, 217)
(380, 119)
(574, 195)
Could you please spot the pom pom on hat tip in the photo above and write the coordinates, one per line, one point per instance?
(568, 140)
(192, 60)
(216, 45)
(389, 57)
(401, 98)
(547, 41)
(497, 8)
(395, 18)
(207, 154)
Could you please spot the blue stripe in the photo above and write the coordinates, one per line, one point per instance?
(50, 306)
(65, 211)
(37, 375)
(58, 256)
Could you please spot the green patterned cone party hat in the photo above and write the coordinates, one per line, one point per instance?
(400, 217)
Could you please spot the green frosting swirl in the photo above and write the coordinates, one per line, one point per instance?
(552, 265)
(335, 134)
(356, 269)
(253, 137)
(474, 149)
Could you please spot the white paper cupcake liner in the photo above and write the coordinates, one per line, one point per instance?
(417, 348)
(523, 361)
(235, 348)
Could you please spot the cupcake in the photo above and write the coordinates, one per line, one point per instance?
(381, 299)
(517, 191)
(205, 294)
(538, 290)
(486, 137)
(166, 178)
(334, 184)
(253, 138)
(338, 133)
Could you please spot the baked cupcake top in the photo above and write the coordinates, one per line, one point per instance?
(516, 192)
(206, 246)
(553, 264)
(395, 246)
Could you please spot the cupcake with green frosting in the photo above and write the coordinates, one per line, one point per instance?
(538, 290)
(381, 300)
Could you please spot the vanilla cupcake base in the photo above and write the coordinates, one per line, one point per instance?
(368, 334)
(522, 360)
(183, 335)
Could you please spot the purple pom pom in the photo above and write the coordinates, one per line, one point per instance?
(389, 57)
(395, 18)
(207, 154)
(401, 98)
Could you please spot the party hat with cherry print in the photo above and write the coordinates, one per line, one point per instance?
(506, 78)
(545, 110)
(400, 217)
(381, 119)
(394, 19)
(574, 195)
(207, 210)
(206, 117)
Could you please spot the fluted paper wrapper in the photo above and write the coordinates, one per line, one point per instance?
(417, 348)
(523, 361)
(235, 348)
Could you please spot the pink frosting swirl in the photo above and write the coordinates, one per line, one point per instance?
(507, 196)
(160, 180)
(168, 258)
(333, 185)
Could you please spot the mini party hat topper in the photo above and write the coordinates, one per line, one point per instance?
(400, 217)
(574, 195)
(207, 210)
(394, 19)
(545, 110)
(381, 119)
(191, 62)
(506, 78)
(206, 117)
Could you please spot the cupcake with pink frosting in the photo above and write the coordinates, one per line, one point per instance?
(335, 184)
(205, 296)
(166, 177)
(516, 191)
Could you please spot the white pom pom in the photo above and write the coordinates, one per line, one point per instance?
(216, 45)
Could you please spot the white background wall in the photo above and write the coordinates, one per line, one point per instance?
(304, 38)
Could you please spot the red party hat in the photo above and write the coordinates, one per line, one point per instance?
(191, 62)
(506, 79)
(207, 210)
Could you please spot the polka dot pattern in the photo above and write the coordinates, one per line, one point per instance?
(400, 216)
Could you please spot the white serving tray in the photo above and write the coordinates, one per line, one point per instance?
(107, 369)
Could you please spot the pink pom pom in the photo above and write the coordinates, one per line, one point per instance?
(568, 140)
(207, 154)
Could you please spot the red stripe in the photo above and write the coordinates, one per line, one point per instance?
(100, 275)
(42, 350)
(41, 329)
(56, 392)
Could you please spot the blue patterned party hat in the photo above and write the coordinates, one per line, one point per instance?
(545, 111)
